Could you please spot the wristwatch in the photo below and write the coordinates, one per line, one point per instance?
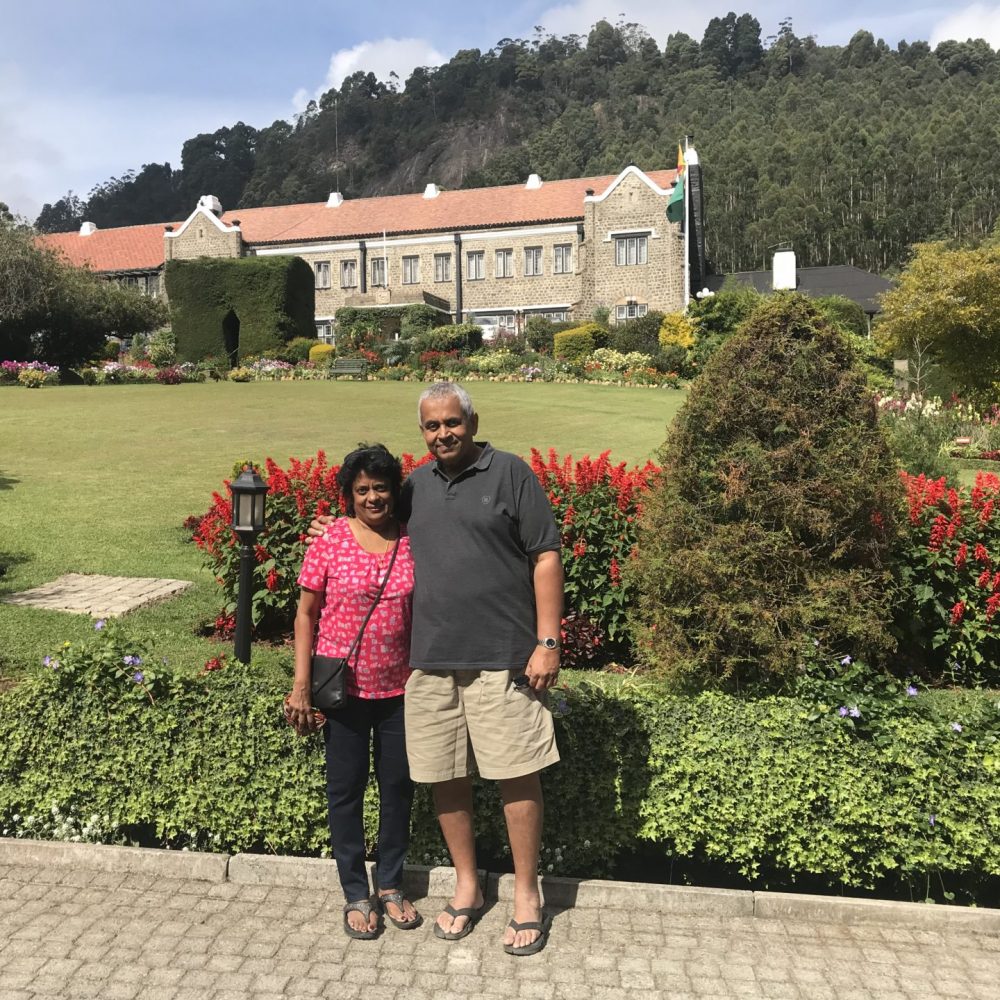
(549, 643)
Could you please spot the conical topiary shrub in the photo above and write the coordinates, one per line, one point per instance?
(769, 529)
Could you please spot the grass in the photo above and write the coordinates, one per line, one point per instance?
(99, 479)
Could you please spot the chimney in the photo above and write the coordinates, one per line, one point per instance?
(534, 182)
(210, 204)
(335, 200)
(589, 192)
(431, 191)
(87, 229)
(168, 229)
(784, 275)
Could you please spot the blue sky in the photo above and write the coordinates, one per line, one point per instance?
(88, 91)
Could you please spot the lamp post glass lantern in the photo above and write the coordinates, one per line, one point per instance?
(248, 491)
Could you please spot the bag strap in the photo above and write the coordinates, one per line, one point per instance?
(355, 646)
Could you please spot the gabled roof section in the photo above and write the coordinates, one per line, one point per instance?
(652, 180)
(204, 213)
(138, 247)
(128, 248)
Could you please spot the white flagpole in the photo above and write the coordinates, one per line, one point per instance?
(385, 261)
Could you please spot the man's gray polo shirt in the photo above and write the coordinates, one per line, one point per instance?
(472, 538)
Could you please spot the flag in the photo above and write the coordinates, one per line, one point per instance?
(675, 204)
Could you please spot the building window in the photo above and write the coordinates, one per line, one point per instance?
(378, 271)
(563, 259)
(442, 267)
(505, 264)
(556, 316)
(348, 274)
(475, 269)
(533, 261)
(322, 268)
(631, 310)
(630, 250)
(411, 270)
(324, 332)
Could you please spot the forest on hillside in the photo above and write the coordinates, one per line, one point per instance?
(849, 153)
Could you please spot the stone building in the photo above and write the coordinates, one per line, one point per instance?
(495, 256)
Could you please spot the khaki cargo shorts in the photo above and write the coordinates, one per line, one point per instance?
(457, 720)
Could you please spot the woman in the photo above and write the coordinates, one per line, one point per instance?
(340, 579)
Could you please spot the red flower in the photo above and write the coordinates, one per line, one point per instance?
(981, 554)
(580, 548)
(272, 579)
(958, 613)
(616, 573)
(961, 555)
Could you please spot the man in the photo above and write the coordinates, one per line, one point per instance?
(487, 608)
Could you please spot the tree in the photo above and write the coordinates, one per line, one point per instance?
(62, 217)
(947, 298)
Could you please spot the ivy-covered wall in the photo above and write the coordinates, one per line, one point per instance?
(272, 298)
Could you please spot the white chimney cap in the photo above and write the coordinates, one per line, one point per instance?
(691, 156)
(784, 275)
(335, 200)
(210, 203)
(534, 182)
(431, 191)
(87, 228)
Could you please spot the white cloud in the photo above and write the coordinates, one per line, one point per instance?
(975, 21)
(398, 55)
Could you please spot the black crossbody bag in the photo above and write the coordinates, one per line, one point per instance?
(329, 673)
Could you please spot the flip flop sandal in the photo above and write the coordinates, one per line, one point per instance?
(364, 907)
(397, 899)
(473, 913)
(538, 944)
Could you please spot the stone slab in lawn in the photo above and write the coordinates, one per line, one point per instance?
(99, 596)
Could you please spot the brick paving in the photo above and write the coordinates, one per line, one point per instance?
(67, 931)
(96, 595)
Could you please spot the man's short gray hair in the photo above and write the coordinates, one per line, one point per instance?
(439, 390)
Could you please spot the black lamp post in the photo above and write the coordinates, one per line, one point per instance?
(248, 491)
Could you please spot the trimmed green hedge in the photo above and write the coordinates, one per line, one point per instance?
(773, 786)
(273, 298)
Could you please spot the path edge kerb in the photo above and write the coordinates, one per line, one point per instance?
(564, 893)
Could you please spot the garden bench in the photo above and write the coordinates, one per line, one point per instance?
(350, 366)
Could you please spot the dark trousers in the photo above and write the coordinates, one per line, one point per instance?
(348, 734)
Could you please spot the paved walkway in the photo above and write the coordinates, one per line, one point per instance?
(99, 596)
(71, 931)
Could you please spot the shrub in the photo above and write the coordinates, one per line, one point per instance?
(320, 353)
(578, 343)
(951, 578)
(162, 348)
(717, 317)
(843, 313)
(676, 330)
(31, 374)
(540, 333)
(298, 349)
(31, 378)
(773, 517)
(770, 788)
(640, 335)
(919, 434)
(462, 337)
(170, 376)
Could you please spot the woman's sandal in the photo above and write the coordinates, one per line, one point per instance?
(365, 908)
(472, 915)
(542, 926)
(397, 899)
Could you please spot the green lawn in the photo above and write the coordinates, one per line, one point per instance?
(99, 479)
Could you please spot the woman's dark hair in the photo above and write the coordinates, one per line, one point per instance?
(373, 460)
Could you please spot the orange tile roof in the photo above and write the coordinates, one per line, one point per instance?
(128, 248)
(135, 247)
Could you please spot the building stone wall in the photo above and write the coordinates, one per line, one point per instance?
(202, 238)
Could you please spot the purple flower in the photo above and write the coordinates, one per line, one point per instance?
(842, 711)
(931, 820)
(132, 661)
(846, 661)
(99, 624)
(46, 661)
(855, 712)
(138, 677)
(911, 691)
(957, 726)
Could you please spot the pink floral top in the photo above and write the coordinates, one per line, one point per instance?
(349, 577)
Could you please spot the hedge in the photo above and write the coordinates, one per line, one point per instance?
(574, 345)
(775, 787)
(272, 297)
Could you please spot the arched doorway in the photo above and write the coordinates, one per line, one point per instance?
(231, 337)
